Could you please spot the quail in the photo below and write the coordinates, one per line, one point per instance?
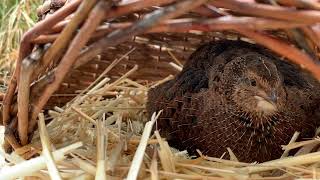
(237, 95)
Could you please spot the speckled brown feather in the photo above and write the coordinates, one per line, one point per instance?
(199, 112)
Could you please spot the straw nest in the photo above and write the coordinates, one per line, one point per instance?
(92, 79)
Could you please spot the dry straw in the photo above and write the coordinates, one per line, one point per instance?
(93, 64)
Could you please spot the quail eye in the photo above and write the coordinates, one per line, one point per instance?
(253, 82)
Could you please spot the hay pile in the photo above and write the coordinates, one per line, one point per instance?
(103, 131)
(107, 138)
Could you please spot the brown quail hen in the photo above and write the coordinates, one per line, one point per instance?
(237, 95)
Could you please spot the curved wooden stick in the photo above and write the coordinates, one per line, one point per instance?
(95, 18)
(120, 11)
(185, 25)
(27, 67)
(10, 137)
(262, 10)
(293, 54)
(56, 50)
(301, 3)
(26, 48)
(45, 25)
(312, 35)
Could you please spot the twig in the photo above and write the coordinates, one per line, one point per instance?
(154, 167)
(122, 10)
(33, 165)
(149, 21)
(285, 50)
(168, 78)
(111, 66)
(262, 10)
(137, 159)
(175, 58)
(207, 168)
(82, 114)
(46, 150)
(109, 86)
(68, 60)
(223, 161)
(115, 155)
(176, 66)
(165, 154)
(307, 4)
(298, 36)
(312, 35)
(292, 140)
(26, 47)
(9, 135)
(275, 164)
(84, 165)
(27, 68)
(62, 42)
(101, 146)
(185, 25)
(295, 145)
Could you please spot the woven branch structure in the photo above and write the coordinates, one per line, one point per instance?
(78, 40)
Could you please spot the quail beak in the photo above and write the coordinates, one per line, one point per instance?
(272, 98)
(267, 104)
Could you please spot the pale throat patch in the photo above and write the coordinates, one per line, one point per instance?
(264, 105)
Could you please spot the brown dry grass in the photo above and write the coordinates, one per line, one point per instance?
(76, 144)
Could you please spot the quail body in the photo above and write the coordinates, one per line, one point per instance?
(237, 95)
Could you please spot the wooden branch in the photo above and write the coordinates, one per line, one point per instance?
(62, 42)
(293, 54)
(28, 66)
(9, 135)
(298, 37)
(27, 168)
(101, 155)
(149, 21)
(26, 48)
(263, 10)
(95, 18)
(185, 25)
(312, 35)
(226, 23)
(306, 4)
(46, 149)
(45, 25)
(121, 10)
